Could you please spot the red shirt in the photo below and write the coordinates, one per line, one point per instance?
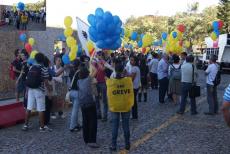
(100, 76)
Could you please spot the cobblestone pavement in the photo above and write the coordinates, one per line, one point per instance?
(32, 26)
(158, 130)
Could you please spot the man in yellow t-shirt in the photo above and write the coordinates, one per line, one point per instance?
(24, 21)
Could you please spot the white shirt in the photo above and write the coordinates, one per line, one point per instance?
(153, 64)
(137, 79)
(212, 72)
(128, 67)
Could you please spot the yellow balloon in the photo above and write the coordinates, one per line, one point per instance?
(89, 45)
(70, 41)
(147, 49)
(187, 44)
(31, 41)
(33, 54)
(74, 48)
(68, 32)
(72, 56)
(68, 21)
(213, 36)
(147, 40)
(127, 33)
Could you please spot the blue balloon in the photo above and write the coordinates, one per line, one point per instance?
(31, 61)
(100, 27)
(91, 19)
(21, 6)
(23, 37)
(217, 32)
(105, 29)
(118, 31)
(99, 12)
(156, 43)
(134, 36)
(215, 25)
(160, 42)
(174, 34)
(79, 52)
(116, 20)
(139, 43)
(108, 17)
(65, 59)
(101, 44)
(164, 35)
(142, 35)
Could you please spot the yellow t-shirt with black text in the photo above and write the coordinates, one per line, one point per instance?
(24, 19)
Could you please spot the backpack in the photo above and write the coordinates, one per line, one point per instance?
(11, 72)
(217, 79)
(176, 73)
(34, 77)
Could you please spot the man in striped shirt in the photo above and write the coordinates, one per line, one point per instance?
(226, 106)
(36, 96)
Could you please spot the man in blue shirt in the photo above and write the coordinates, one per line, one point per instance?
(162, 72)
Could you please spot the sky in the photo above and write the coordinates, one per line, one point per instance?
(58, 9)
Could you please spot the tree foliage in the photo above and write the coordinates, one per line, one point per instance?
(198, 25)
(224, 14)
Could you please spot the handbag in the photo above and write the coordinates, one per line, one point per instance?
(195, 90)
(67, 96)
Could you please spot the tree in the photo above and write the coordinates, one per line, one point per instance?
(224, 14)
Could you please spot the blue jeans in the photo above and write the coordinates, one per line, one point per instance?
(186, 87)
(75, 109)
(115, 126)
(101, 88)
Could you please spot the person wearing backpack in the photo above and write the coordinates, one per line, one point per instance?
(88, 107)
(175, 78)
(212, 74)
(37, 80)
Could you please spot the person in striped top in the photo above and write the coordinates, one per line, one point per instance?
(226, 106)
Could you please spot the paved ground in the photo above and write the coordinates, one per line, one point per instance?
(32, 26)
(158, 130)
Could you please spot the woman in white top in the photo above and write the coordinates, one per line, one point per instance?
(136, 77)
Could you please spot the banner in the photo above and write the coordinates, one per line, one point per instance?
(83, 35)
(120, 94)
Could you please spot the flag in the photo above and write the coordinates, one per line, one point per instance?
(83, 35)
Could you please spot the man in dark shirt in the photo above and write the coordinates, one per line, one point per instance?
(17, 67)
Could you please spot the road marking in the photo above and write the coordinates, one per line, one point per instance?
(154, 131)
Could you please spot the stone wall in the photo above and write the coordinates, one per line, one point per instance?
(9, 41)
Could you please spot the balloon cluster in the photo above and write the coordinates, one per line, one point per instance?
(28, 47)
(174, 43)
(217, 25)
(70, 41)
(21, 6)
(105, 29)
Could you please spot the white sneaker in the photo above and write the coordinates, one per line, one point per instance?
(53, 117)
(45, 129)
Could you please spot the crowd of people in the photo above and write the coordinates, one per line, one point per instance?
(20, 19)
(44, 86)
